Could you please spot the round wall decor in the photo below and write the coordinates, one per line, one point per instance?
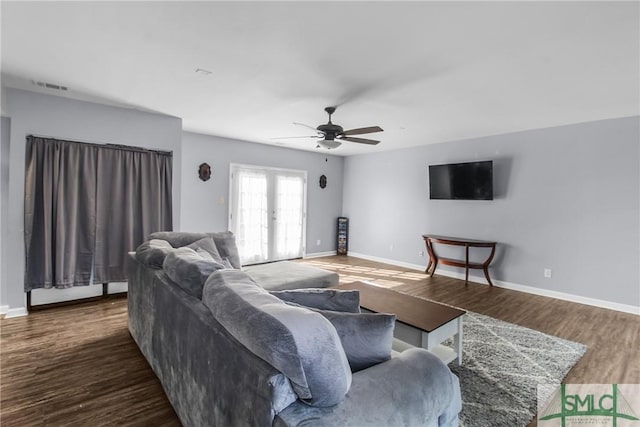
(323, 181)
(204, 172)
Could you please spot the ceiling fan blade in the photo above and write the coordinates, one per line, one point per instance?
(360, 131)
(297, 137)
(360, 140)
(310, 127)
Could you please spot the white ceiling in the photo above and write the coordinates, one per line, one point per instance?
(426, 72)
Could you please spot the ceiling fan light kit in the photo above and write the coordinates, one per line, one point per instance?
(332, 134)
(329, 143)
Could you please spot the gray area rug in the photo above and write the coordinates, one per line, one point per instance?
(502, 366)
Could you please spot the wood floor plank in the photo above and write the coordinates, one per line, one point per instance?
(78, 366)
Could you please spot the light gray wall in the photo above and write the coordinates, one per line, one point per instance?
(5, 129)
(63, 118)
(566, 199)
(205, 204)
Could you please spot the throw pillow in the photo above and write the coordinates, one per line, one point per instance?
(153, 252)
(296, 341)
(227, 264)
(207, 244)
(226, 244)
(178, 239)
(189, 269)
(324, 299)
(366, 337)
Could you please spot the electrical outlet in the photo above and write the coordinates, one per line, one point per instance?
(547, 273)
(390, 248)
(421, 253)
(318, 242)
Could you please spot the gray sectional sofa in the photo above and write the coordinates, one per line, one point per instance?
(229, 352)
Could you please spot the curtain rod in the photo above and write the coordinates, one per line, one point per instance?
(108, 145)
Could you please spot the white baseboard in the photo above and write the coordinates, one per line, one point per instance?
(16, 312)
(625, 308)
(4, 309)
(319, 254)
(388, 261)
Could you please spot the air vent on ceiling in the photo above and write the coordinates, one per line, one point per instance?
(49, 85)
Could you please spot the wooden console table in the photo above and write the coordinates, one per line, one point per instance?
(430, 239)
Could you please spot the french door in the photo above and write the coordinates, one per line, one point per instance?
(267, 212)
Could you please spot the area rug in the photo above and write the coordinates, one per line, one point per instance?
(502, 366)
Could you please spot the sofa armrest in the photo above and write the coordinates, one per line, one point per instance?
(414, 388)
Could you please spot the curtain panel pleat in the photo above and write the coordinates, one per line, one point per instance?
(86, 206)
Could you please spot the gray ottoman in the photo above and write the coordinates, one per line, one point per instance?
(283, 275)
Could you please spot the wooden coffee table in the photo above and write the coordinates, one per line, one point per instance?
(419, 322)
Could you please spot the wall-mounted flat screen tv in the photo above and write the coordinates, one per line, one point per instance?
(461, 181)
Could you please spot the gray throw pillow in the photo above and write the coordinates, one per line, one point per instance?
(153, 252)
(189, 269)
(324, 299)
(226, 244)
(178, 239)
(366, 337)
(207, 244)
(227, 264)
(296, 341)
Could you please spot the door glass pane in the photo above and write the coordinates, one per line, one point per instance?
(289, 215)
(252, 220)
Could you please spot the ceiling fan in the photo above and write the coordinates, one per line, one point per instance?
(331, 135)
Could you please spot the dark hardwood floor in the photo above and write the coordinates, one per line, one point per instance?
(78, 366)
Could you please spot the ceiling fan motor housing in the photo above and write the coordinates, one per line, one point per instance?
(330, 130)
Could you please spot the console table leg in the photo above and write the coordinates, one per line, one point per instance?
(466, 267)
(486, 275)
(433, 259)
(485, 266)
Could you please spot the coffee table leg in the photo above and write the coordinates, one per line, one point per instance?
(457, 343)
(432, 340)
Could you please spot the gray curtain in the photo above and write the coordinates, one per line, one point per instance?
(86, 206)
(134, 189)
(60, 220)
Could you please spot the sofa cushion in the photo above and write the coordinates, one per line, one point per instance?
(298, 342)
(152, 252)
(208, 245)
(225, 242)
(189, 269)
(291, 275)
(366, 337)
(325, 299)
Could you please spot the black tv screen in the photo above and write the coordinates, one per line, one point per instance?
(461, 181)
